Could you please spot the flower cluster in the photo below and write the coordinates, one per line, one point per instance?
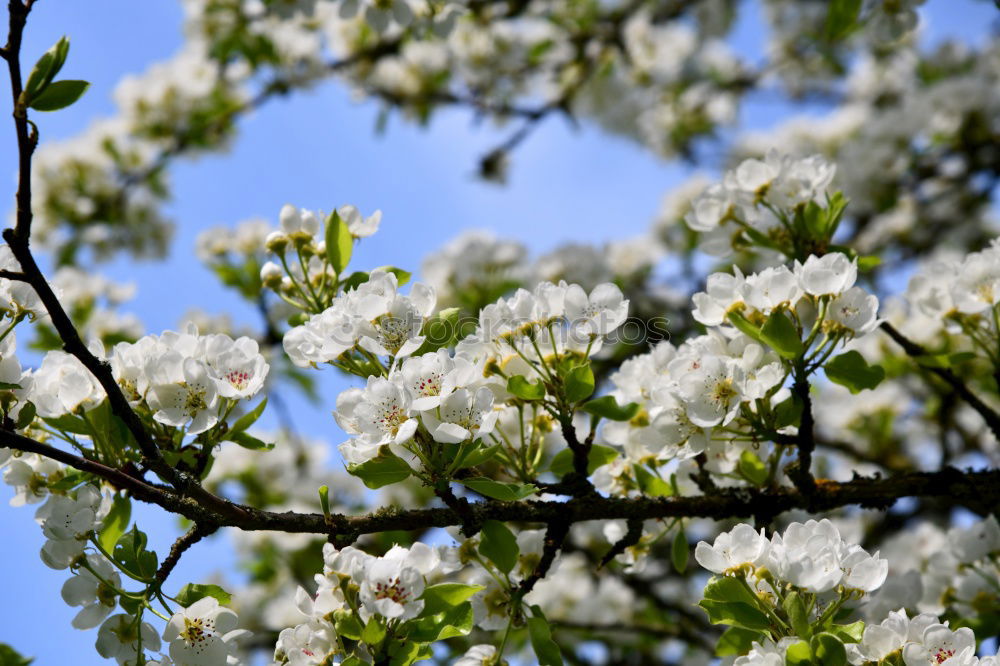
(186, 380)
(753, 197)
(812, 556)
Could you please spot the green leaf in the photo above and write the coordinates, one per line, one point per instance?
(69, 423)
(505, 492)
(743, 325)
(725, 588)
(798, 616)
(609, 408)
(679, 551)
(443, 596)
(404, 654)
(248, 441)
(442, 330)
(499, 545)
(780, 333)
(402, 277)
(11, 657)
(579, 383)
(115, 522)
(381, 471)
(541, 640)
(46, 68)
(788, 412)
(324, 500)
(477, 455)
(192, 592)
(868, 262)
(852, 370)
(736, 641)
(736, 614)
(752, 469)
(339, 243)
(25, 416)
(827, 650)
(841, 18)
(521, 388)
(456, 621)
(59, 94)
(651, 484)
(354, 280)
(130, 552)
(849, 633)
(374, 632)
(347, 624)
(249, 418)
(798, 654)
(562, 462)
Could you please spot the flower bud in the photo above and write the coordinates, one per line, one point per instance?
(271, 275)
(276, 242)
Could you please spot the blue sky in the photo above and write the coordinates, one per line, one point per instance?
(564, 184)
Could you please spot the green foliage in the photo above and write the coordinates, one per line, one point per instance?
(248, 419)
(339, 243)
(752, 468)
(520, 387)
(131, 556)
(728, 601)
(505, 492)
(841, 18)
(11, 657)
(248, 441)
(579, 383)
(651, 484)
(607, 407)
(383, 470)
(850, 369)
(541, 639)
(562, 462)
(443, 596)
(780, 333)
(798, 617)
(736, 641)
(59, 94)
(114, 524)
(499, 545)
(680, 551)
(192, 592)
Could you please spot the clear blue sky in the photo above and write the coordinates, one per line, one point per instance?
(319, 150)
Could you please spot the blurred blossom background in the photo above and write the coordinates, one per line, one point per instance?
(321, 148)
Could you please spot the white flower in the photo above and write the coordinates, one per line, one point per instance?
(711, 392)
(313, 643)
(431, 377)
(93, 593)
(63, 517)
(938, 644)
(604, 310)
(62, 385)
(203, 634)
(183, 393)
(359, 227)
(975, 542)
(477, 655)
(29, 476)
(323, 338)
(238, 366)
(722, 292)
(295, 222)
(462, 415)
(382, 412)
(855, 310)
(393, 583)
(711, 208)
(977, 284)
(739, 546)
(767, 653)
(118, 638)
(832, 273)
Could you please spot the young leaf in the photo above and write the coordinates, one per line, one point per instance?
(11, 657)
(744, 325)
(841, 18)
(521, 388)
(115, 522)
(59, 94)
(541, 640)
(752, 469)
(192, 592)
(679, 551)
(249, 441)
(381, 471)
(579, 383)
(249, 418)
(46, 68)
(439, 598)
(456, 621)
(850, 369)
(339, 243)
(505, 492)
(827, 650)
(499, 545)
(736, 641)
(130, 552)
(798, 617)
(735, 614)
(779, 332)
(374, 632)
(651, 484)
(607, 407)
(798, 654)
(562, 463)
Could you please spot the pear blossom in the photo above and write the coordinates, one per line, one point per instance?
(477, 655)
(392, 584)
(119, 638)
(29, 475)
(938, 644)
(297, 222)
(741, 545)
(831, 274)
(237, 366)
(203, 634)
(598, 313)
(95, 593)
(462, 415)
(360, 227)
(855, 310)
(62, 385)
(183, 393)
